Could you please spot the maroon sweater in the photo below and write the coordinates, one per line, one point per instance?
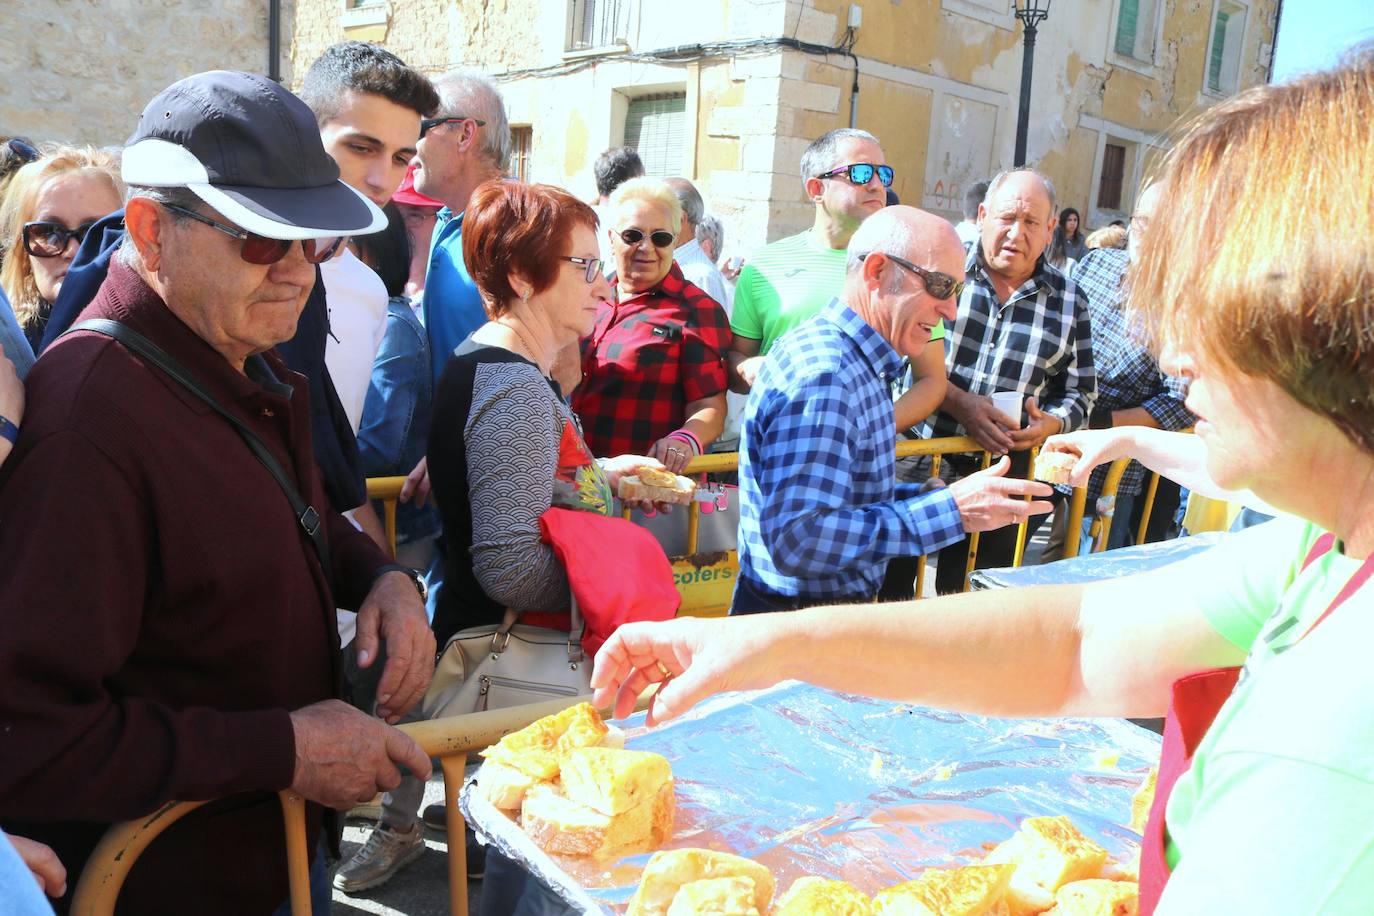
(161, 610)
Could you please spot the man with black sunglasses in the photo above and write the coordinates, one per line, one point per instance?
(821, 511)
(846, 178)
(208, 560)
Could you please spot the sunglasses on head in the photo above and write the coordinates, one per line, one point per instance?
(662, 238)
(593, 266)
(861, 173)
(427, 124)
(21, 149)
(47, 239)
(258, 249)
(939, 285)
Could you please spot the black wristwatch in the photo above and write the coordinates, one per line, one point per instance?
(412, 574)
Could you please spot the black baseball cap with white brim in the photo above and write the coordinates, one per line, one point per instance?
(249, 148)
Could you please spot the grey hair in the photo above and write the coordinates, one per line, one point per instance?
(693, 207)
(471, 95)
(1002, 176)
(882, 232)
(127, 254)
(709, 229)
(820, 155)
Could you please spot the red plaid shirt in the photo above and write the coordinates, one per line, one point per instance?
(647, 358)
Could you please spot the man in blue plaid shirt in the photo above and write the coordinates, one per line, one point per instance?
(821, 512)
(1131, 389)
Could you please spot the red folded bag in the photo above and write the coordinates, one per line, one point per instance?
(617, 571)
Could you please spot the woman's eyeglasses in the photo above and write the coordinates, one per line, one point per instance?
(661, 238)
(593, 266)
(258, 249)
(861, 173)
(939, 285)
(47, 239)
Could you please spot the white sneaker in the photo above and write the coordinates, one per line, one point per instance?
(386, 852)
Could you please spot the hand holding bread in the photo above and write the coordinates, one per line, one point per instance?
(1088, 448)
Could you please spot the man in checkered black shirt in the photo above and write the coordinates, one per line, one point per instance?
(1131, 389)
(821, 512)
(1021, 326)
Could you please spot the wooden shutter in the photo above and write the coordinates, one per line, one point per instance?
(655, 125)
(1113, 171)
(1218, 54)
(1126, 20)
(522, 138)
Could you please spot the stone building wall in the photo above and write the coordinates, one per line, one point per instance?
(80, 71)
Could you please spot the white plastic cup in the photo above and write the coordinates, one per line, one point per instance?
(1009, 403)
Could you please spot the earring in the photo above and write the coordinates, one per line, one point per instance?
(526, 297)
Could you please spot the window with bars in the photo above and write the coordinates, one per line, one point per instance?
(1223, 58)
(655, 125)
(1136, 25)
(522, 138)
(597, 24)
(1113, 177)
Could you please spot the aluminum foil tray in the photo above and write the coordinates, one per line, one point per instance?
(808, 781)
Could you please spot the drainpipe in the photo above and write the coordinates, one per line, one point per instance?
(274, 40)
(854, 93)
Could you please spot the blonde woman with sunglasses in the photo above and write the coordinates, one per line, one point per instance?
(48, 208)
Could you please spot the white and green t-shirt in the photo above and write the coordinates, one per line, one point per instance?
(785, 284)
(1276, 813)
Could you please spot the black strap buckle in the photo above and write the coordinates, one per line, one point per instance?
(310, 520)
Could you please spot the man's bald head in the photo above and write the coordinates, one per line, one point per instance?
(1016, 223)
(892, 298)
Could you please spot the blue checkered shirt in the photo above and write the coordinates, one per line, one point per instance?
(1127, 375)
(821, 511)
(1039, 342)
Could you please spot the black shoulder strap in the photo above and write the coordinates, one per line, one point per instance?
(305, 514)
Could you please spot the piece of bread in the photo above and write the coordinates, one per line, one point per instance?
(538, 748)
(657, 485)
(813, 896)
(613, 780)
(1054, 467)
(556, 823)
(732, 896)
(503, 786)
(974, 890)
(1142, 800)
(1097, 897)
(1048, 852)
(668, 871)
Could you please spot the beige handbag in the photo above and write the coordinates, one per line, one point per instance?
(495, 666)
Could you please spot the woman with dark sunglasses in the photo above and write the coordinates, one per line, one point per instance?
(48, 207)
(653, 368)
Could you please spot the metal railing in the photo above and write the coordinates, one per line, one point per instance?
(597, 23)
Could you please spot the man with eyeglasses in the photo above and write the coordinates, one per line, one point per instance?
(187, 648)
(845, 175)
(821, 512)
(466, 143)
(1022, 327)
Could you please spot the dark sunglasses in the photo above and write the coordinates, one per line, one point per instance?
(427, 124)
(46, 239)
(258, 249)
(941, 286)
(861, 173)
(593, 266)
(662, 238)
(22, 149)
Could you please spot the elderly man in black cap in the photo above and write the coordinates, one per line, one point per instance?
(172, 565)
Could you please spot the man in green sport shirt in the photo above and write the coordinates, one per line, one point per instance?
(789, 281)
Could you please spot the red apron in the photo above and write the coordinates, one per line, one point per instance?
(1197, 698)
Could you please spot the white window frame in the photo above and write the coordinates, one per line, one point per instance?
(1138, 64)
(998, 13)
(1232, 52)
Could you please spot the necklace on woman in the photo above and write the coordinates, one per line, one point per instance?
(524, 344)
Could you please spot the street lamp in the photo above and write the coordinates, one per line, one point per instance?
(1031, 13)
